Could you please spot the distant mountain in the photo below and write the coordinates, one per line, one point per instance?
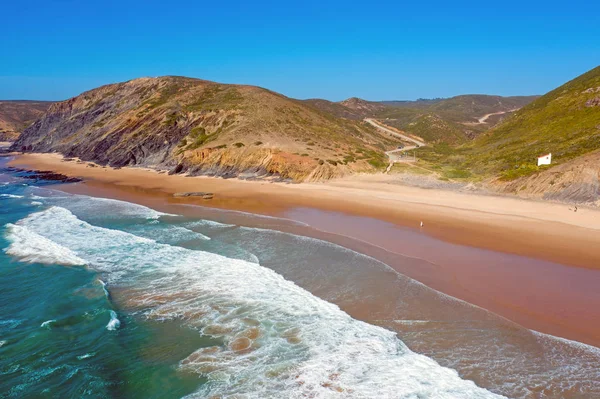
(15, 116)
(363, 106)
(336, 109)
(352, 108)
(451, 120)
(470, 107)
(200, 127)
(419, 103)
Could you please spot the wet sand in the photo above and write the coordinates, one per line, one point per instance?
(541, 291)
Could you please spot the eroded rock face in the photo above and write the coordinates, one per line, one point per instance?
(594, 102)
(98, 126)
(577, 181)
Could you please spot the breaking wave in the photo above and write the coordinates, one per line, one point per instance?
(31, 247)
(276, 337)
(114, 322)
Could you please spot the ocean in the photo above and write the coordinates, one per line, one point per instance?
(110, 299)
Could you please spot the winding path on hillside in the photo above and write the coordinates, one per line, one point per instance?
(395, 133)
(396, 155)
(482, 120)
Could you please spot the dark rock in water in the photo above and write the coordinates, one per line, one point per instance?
(195, 194)
(41, 176)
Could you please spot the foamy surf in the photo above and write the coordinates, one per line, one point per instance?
(47, 323)
(114, 322)
(103, 284)
(103, 207)
(86, 356)
(31, 247)
(279, 338)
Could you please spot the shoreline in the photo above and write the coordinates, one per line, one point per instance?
(542, 295)
(536, 229)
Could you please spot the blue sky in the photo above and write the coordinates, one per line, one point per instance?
(378, 50)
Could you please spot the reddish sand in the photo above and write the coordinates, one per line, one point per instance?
(518, 262)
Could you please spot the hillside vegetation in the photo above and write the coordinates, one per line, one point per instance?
(452, 121)
(564, 122)
(201, 127)
(15, 116)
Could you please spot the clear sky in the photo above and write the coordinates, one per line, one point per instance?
(378, 50)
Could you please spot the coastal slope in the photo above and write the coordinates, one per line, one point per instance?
(15, 116)
(566, 123)
(200, 127)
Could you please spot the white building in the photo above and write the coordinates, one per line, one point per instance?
(545, 159)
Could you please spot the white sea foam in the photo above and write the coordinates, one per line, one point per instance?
(2, 343)
(207, 223)
(11, 196)
(106, 294)
(86, 356)
(114, 322)
(36, 203)
(253, 215)
(31, 247)
(279, 337)
(47, 323)
(104, 207)
(166, 233)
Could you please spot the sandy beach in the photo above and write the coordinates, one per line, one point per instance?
(538, 229)
(535, 263)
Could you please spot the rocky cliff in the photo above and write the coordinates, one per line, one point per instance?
(200, 127)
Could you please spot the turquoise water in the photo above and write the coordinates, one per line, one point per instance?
(53, 330)
(109, 299)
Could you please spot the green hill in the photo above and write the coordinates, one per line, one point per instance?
(564, 122)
